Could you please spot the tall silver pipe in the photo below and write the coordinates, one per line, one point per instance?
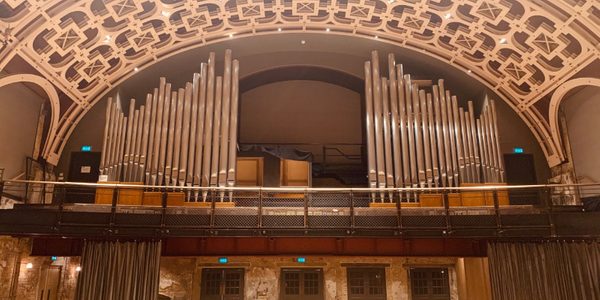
(452, 136)
(379, 148)
(464, 146)
(158, 130)
(475, 170)
(412, 149)
(144, 149)
(177, 140)
(418, 131)
(191, 164)
(403, 123)
(200, 128)
(123, 131)
(493, 146)
(111, 160)
(370, 126)
(171, 137)
(225, 114)
(185, 134)
(138, 143)
(235, 75)
(481, 144)
(164, 130)
(150, 155)
(459, 146)
(106, 137)
(425, 134)
(393, 90)
(387, 134)
(440, 135)
(497, 140)
(433, 145)
(476, 156)
(446, 133)
(208, 125)
(214, 168)
(127, 155)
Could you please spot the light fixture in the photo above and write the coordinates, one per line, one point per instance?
(136, 69)
(165, 13)
(29, 266)
(468, 71)
(503, 41)
(447, 16)
(376, 37)
(231, 35)
(107, 39)
(327, 29)
(279, 29)
(78, 269)
(391, 1)
(302, 42)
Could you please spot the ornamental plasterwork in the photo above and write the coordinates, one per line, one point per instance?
(521, 49)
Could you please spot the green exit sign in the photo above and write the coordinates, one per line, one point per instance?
(518, 150)
(86, 148)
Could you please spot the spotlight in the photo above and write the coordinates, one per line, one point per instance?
(29, 266)
(503, 41)
(78, 269)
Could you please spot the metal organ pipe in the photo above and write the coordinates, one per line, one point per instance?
(416, 138)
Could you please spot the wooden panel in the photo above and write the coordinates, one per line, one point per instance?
(155, 198)
(126, 196)
(249, 171)
(295, 173)
(431, 200)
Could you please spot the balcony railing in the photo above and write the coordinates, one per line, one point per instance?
(72, 208)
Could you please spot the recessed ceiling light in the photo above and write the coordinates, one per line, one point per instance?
(231, 35)
(165, 13)
(327, 29)
(468, 71)
(503, 41)
(279, 29)
(302, 42)
(136, 69)
(391, 1)
(107, 39)
(447, 16)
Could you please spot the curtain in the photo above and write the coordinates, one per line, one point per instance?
(545, 271)
(119, 271)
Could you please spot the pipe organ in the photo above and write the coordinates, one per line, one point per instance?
(178, 137)
(419, 138)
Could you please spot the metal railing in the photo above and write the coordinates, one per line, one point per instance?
(481, 211)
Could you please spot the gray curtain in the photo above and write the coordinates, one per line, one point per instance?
(545, 271)
(119, 271)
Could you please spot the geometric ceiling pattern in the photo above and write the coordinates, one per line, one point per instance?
(521, 49)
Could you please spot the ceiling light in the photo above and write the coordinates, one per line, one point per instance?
(165, 13)
(468, 71)
(503, 41)
(107, 39)
(327, 29)
(136, 69)
(447, 16)
(279, 29)
(302, 42)
(376, 37)
(391, 1)
(29, 266)
(231, 35)
(78, 269)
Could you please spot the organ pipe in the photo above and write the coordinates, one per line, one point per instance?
(179, 137)
(419, 138)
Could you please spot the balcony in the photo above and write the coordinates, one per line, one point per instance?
(159, 212)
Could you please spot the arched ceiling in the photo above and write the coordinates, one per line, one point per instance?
(522, 49)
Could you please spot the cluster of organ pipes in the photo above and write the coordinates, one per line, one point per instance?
(424, 139)
(184, 137)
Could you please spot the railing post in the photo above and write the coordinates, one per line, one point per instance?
(352, 219)
(211, 195)
(305, 209)
(447, 211)
(550, 210)
(61, 195)
(164, 194)
(113, 209)
(260, 208)
(399, 209)
(324, 164)
(497, 212)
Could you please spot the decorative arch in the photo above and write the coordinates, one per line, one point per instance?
(555, 103)
(520, 49)
(54, 105)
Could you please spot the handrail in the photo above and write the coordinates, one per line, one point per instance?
(305, 189)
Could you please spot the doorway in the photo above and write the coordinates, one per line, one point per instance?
(49, 283)
(520, 170)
